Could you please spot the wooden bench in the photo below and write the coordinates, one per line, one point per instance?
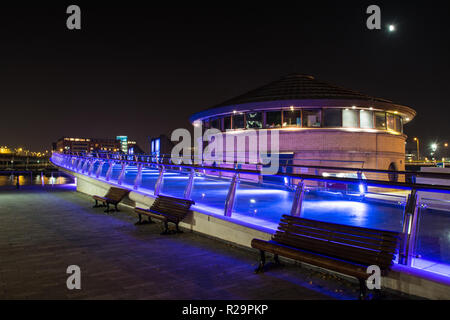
(113, 196)
(166, 209)
(345, 249)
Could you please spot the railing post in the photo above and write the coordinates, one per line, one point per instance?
(188, 190)
(122, 173)
(85, 164)
(413, 231)
(138, 180)
(231, 197)
(361, 184)
(409, 227)
(68, 160)
(160, 180)
(99, 169)
(296, 209)
(108, 173)
(80, 162)
(91, 167)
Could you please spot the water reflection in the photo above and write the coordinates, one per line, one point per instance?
(57, 178)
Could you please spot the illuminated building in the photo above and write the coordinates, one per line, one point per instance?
(123, 140)
(85, 145)
(319, 124)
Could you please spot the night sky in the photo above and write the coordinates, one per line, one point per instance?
(142, 71)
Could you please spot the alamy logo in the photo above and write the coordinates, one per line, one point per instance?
(74, 20)
(374, 20)
(248, 146)
(374, 281)
(74, 280)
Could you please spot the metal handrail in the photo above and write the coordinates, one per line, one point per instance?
(411, 209)
(371, 183)
(362, 170)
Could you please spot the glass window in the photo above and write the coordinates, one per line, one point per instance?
(292, 118)
(206, 124)
(350, 118)
(227, 123)
(254, 120)
(398, 124)
(238, 121)
(273, 119)
(312, 118)
(215, 123)
(366, 119)
(332, 118)
(380, 120)
(390, 121)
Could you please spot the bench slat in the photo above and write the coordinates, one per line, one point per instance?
(345, 267)
(334, 226)
(337, 236)
(168, 209)
(336, 250)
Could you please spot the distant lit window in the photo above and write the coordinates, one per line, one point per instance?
(254, 120)
(227, 123)
(292, 118)
(312, 118)
(398, 124)
(238, 121)
(350, 118)
(380, 120)
(273, 119)
(366, 119)
(157, 147)
(390, 119)
(332, 118)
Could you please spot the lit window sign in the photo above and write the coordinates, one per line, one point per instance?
(156, 147)
(123, 143)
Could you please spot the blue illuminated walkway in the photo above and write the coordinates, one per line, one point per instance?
(262, 205)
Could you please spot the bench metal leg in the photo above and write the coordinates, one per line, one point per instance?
(142, 222)
(117, 209)
(362, 289)
(178, 229)
(108, 210)
(98, 205)
(166, 229)
(277, 260)
(262, 261)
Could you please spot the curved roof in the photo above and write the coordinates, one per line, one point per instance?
(298, 89)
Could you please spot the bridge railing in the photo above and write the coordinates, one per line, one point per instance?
(408, 207)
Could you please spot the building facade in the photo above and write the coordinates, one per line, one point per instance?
(86, 145)
(319, 124)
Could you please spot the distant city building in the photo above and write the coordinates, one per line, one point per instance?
(123, 143)
(66, 144)
(161, 146)
(133, 148)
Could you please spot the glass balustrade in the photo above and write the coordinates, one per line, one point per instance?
(330, 197)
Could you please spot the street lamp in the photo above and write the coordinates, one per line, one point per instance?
(418, 154)
(434, 147)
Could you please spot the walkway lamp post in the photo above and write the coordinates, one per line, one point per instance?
(434, 148)
(418, 154)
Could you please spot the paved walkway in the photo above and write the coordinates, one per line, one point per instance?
(43, 231)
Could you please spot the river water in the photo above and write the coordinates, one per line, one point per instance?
(8, 179)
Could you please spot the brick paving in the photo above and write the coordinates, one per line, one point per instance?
(43, 231)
